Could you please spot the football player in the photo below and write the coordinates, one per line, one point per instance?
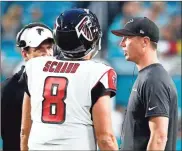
(67, 102)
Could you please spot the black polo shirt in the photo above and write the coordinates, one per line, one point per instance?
(12, 93)
(153, 94)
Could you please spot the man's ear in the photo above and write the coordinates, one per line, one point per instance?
(24, 55)
(146, 41)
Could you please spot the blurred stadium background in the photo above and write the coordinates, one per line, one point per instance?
(112, 15)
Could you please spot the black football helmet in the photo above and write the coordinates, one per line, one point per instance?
(77, 32)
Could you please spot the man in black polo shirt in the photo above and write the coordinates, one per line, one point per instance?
(12, 91)
(151, 118)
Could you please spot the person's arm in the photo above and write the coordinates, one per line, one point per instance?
(26, 123)
(159, 130)
(157, 112)
(101, 110)
(101, 113)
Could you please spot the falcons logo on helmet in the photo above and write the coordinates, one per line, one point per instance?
(83, 28)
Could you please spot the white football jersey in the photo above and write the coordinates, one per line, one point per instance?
(62, 96)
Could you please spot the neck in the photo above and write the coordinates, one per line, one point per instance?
(147, 60)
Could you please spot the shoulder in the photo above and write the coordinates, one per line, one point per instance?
(103, 72)
(6, 82)
(10, 83)
(156, 75)
(100, 66)
(37, 62)
(13, 78)
(38, 59)
(157, 84)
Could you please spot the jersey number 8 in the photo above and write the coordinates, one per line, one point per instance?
(53, 106)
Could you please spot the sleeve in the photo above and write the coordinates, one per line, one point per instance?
(106, 83)
(156, 99)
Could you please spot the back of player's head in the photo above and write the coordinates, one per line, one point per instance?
(77, 32)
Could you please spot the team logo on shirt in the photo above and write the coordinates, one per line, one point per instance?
(112, 79)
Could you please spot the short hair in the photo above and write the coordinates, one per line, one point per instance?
(26, 49)
(153, 44)
(49, 40)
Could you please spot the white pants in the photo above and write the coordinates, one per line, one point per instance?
(61, 137)
(76, 145)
